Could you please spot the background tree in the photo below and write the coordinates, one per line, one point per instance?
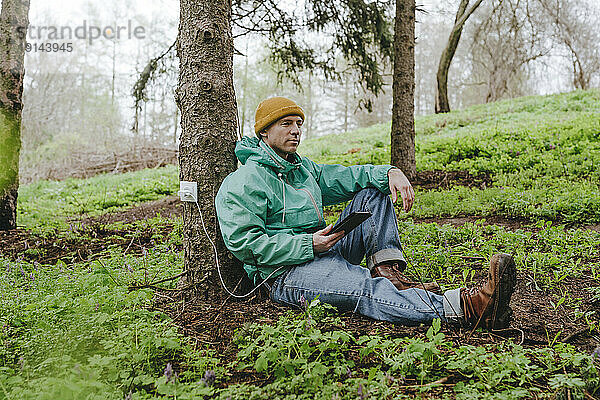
(206, 99)
(403, 88)
(442, 105)
(428, 47)
(572, 21)
(508, 37)
(14, 22)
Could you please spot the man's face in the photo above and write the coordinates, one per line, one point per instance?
(284, 135)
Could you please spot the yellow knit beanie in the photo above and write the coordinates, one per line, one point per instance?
(270, 110)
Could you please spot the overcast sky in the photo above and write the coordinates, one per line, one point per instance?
(152, 15)
(62, 11)
(156, 21)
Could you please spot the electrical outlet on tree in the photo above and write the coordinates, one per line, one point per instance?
(188, 191)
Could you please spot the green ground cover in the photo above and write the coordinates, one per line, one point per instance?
(47, 205)
(75, 331)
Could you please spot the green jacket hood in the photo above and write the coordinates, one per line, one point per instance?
(255, 149)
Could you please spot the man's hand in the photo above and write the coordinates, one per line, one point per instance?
(399, 183)
(322, 242)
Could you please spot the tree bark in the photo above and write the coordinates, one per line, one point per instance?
(442, 105)
(403, 90)
(206, 99)
(14, 21)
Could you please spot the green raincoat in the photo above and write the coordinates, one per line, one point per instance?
(269, 208)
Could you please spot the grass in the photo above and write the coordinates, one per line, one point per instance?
(505, 116)
(47, 205)
(75, 331)
(571, 203)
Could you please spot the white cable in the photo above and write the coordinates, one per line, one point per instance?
(217, 258)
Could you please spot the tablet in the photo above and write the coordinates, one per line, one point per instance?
(351, 221)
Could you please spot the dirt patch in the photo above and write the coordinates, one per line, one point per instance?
(169, 207)
(431, 180)
(83, 243)
(509, 223)
(89, 237)
(595, 228)
(542, 316)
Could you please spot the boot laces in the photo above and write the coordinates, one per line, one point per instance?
(474, 290)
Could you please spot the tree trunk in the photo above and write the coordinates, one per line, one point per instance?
(579, 77)
(175, 126)
(206, 98)
(442, 105)
(403, 90)
(14, 22)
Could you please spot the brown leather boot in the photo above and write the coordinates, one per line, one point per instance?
(488, 305)
(393, 272)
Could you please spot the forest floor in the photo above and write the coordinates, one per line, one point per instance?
(537, 321)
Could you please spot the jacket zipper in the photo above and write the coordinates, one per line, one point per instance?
(311, 199)
(314, 203)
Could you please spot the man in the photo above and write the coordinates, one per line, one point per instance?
(271, 216)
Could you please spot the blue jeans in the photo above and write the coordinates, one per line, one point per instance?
(337, 278)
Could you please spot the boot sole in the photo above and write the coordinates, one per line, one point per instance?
(507, 280)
